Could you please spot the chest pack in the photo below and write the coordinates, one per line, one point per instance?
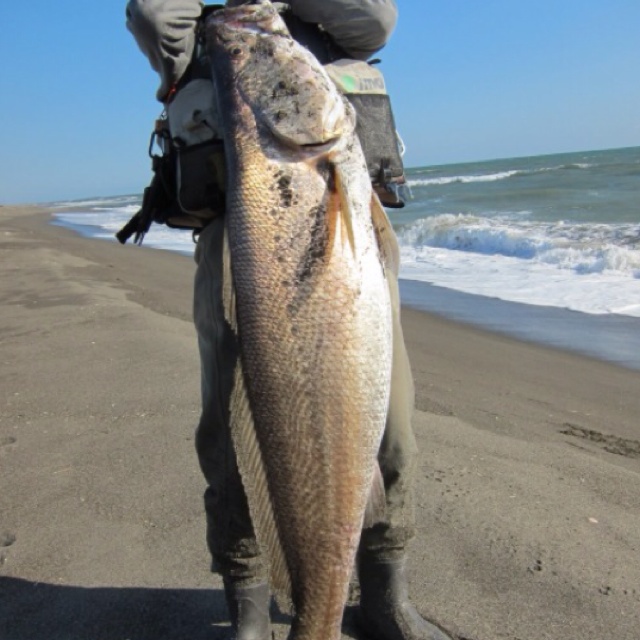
(363, 85)
(188, 186)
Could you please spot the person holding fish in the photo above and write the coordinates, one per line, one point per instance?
(296, 517)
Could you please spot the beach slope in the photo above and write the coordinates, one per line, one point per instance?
(527, 491)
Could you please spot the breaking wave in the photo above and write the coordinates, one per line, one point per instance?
(584, 248)
(492, 177)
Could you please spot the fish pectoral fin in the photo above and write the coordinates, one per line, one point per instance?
(385, 235)
(342, 210)
(377, 503)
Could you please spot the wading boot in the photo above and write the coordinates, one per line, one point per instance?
(385, 611)
(249, 610)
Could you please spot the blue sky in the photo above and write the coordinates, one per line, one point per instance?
(469, 79)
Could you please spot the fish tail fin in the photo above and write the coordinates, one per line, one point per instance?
(377, 504)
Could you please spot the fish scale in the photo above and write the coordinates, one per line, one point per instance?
(307, 296)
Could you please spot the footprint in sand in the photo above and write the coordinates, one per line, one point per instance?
(7, 440)
(6, 539)
(608, 442)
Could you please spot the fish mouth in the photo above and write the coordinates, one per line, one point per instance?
(307, 150)
(257, 17)
(321, 146)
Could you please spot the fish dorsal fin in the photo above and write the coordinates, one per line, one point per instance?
(255, 483)
(387, 241)
(249, 456)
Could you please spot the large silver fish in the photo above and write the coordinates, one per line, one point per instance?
(308, 298)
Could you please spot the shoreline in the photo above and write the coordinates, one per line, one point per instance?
(609, 338)
(527, 487)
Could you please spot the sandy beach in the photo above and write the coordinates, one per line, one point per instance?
(528, 490)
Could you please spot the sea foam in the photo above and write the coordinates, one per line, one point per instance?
(588, 268)
(579, 247)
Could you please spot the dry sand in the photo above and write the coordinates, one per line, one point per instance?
(528, 491)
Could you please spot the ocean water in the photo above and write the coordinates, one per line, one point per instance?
(557, 232)
(560, 230)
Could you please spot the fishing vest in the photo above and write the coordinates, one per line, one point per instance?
(188, 186)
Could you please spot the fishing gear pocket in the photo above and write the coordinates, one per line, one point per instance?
(188, 184)
(194, 129)
(363, 85)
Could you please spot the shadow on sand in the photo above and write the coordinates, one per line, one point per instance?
(41, 611)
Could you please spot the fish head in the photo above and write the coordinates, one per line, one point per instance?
(263, 69)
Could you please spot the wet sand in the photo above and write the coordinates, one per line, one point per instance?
(528, 489)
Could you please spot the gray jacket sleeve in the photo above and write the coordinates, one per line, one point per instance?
(165, 32)
(360, 27)
(165, 29)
